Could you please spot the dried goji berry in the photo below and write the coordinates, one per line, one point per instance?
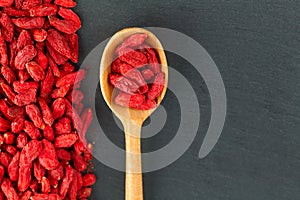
(4, 109)
(8, 91)
(41, 59)
(67, 67)
(57, 173)
(6, 3)
(27, 4)
(63, 126)
(75, 96)
(19, 87)
(128, 100)
(123, 83)
(3, 52)
(26, 97)
(137, 77)
(79, 147)
(153, 61)
(37, 196)
(34, 114)
(79, 107)
(38, 171)
(60, 92)
(18, 4)
(87, 156)
(89, 180)
(24, 39)
(13, 167)
(48, 133)
(58, 108)
(17, 125)
(21, 140)
(5, 159)
(16, 111)
(65, 3)
(23, 75)
(13, 12)
(40, 46)
(12, 52)
(7, 28)
(65, 26)
(48, 158)
(66, 181)
(58, 42)
(71, 79)
(39, 35)
(84, 193)
(9, 138)
(26, 195)
(148, 74)
(73, 115)
(8, 74)
(157, 86)
(79, 180)
(73, 44)
(65, 141)
(46, 112)
(10, 149)
(56, 56)
(133, 41)
(87, 118)
(45, 183)
(8, 189)
(47, 84)
(43, 10)
(115, 66)
(34, 185)
(4, 125)
(36, 72)
(29, 153)
(68, 14)
(29, 22)
(63, 154)
(134, 58)
(24, 56)
(72, 193)
(32, 131)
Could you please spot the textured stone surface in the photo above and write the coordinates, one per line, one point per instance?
(256, 47)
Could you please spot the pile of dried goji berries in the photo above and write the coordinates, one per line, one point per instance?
(42, 117)
(136, 74)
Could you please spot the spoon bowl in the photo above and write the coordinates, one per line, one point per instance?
(132, 119)
(123, 113)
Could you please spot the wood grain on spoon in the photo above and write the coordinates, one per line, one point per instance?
(131, 119)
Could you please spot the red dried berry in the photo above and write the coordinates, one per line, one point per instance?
(128, 100)
(65, 141)
(39, 35)
(48, 158)
(29, 22)
(25, 55)
(36, 72)
(34, 114)
(46, 112)
(65, 3)
(89, 180)
(43, 10)
(6, 3)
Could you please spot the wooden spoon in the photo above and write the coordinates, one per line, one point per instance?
(131, 119)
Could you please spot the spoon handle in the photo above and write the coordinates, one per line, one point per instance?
(133, 180)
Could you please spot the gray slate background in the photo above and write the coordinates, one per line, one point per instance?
(255, 44)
